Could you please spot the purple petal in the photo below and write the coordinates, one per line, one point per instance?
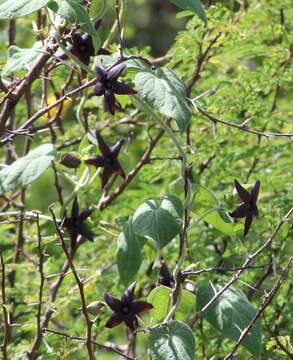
(115, 319)
(128, 295)
(240, 212)
(117, 168)
(105, 176)
(139, 307)
(77, 40)
(112, 302)
(115, 149)
(131, 322)
(115, 72)
(87, 39)
(75, 209)
(122, 89)
(85, 214)
(255, 191)
(110, 101)
(101, 74)
(99, 89)
(85, 232)
(248, 222)
(98, 161)
(104, 148)
(243, 193)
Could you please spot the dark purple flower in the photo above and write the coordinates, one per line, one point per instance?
(248, 208)
(108, 160)
(126, 309)
(76, 223)
(82, 47)
(107, 85)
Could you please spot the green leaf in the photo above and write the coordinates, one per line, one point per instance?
(192, 5)
(231, 314)
(73, 11)
(206, 205)
(25, 170)
(21, 58)
(11, 9)
(159, 220)
(164, 91)
(186, 306)
(129, 253)
(172, 341)
(160, 298)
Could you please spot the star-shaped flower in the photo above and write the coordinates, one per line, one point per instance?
(76, 223)
(108, 160)
(126, 309)
(249, 208)
(108, 86)
(82, 47)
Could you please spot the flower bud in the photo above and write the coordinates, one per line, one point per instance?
(70, 161)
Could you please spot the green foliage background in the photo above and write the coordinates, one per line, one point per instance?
(250, 79)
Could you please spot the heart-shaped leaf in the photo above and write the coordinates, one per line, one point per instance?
(231, 314)
(172, 341)
(159, 220)
(164, 91)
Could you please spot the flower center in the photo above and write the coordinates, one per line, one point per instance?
(109, 85)
(82, 48)
(125, 309)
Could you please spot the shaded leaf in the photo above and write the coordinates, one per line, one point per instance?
(191, 5)
(231, 314)
(129, 253)
(21, 58)
(11, 9)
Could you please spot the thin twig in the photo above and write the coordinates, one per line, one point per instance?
(80, 287)
(5, 312)
(246, 263)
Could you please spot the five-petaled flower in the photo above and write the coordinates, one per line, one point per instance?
(76, 223)
(126, 309)
(249, 208)
(108, 86)
(108, 160)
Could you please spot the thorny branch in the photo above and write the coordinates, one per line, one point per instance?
(246, 263)
(267, 299)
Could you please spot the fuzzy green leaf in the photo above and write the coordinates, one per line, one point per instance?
(173, 341)
(231, 314)
(26, 169)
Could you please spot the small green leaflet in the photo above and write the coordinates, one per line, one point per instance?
(11, 9)
(21, 58)
(230, 314)
(172, 341)
(74, 11)
(26, 169)
(163, 90)
(159, 220)
(192, 5)
(129, 253)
